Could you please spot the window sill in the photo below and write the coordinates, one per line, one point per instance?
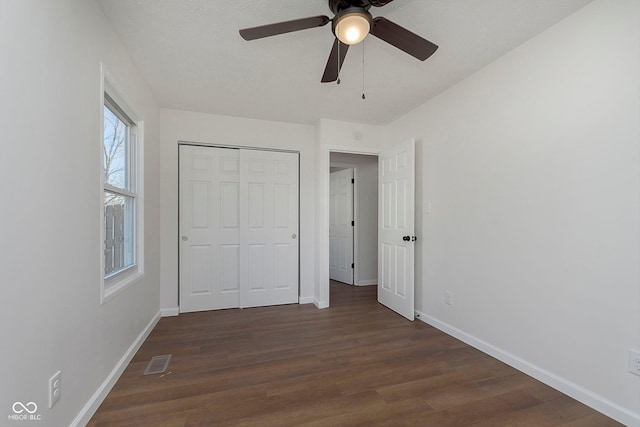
(114, 288)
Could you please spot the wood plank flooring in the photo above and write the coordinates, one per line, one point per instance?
(354, 364)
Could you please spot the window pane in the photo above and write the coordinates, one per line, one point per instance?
(116, 150)
(119, 245)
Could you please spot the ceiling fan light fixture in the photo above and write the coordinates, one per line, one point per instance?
(352, 26)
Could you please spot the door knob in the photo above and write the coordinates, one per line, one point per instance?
(185, 238)
(293, 236)
(406, 238)
(414, 238)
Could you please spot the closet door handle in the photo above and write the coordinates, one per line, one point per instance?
(294, 235)
(185, 238)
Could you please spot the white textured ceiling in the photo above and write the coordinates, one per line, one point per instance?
(193, 58)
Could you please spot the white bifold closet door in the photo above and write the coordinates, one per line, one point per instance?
(238, 228)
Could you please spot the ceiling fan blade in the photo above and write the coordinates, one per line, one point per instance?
(402, 38)
(333, 66)
(284, 27)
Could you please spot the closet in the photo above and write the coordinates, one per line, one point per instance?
(238, 222)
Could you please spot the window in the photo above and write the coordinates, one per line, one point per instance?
(121, 196)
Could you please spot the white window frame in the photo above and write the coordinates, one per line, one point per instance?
(117, 282)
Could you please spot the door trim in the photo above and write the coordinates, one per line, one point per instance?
(235, 147)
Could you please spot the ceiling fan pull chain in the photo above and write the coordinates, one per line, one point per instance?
(338, 61)
(363, 97)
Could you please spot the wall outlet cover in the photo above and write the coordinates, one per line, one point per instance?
(634, 362)
(448, 297)
(55, 388)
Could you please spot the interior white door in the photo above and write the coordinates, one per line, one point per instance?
(396, 194)
(341, 226)
(209, 228)
(269, 228)
(238, 228)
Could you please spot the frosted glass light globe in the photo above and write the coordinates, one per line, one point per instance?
(352, 28)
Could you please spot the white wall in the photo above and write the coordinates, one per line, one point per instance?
(231, 131)
(50, 112)
(532, 166)
(366, 218)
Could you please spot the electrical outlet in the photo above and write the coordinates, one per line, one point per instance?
(634, 362)
(448, 297)
(55, 388)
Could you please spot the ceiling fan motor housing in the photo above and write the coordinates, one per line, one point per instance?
(338, 6)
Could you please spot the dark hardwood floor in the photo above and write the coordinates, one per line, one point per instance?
(354, 364)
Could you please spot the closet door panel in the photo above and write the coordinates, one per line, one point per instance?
(209, 228)
(271, 218)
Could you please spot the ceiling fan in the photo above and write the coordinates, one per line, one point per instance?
(351, 24)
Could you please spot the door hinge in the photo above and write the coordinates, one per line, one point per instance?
(353, 265)
(353, 181)
(353, 223)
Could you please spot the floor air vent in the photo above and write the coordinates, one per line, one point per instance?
(157, 364)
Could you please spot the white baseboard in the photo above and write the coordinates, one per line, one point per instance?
(305, 300)
(563, 385)
(169, 312)
(320, 304)
(369, 282)
(101, 393)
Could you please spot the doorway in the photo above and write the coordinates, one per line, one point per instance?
(396, 226)
(364, 217)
